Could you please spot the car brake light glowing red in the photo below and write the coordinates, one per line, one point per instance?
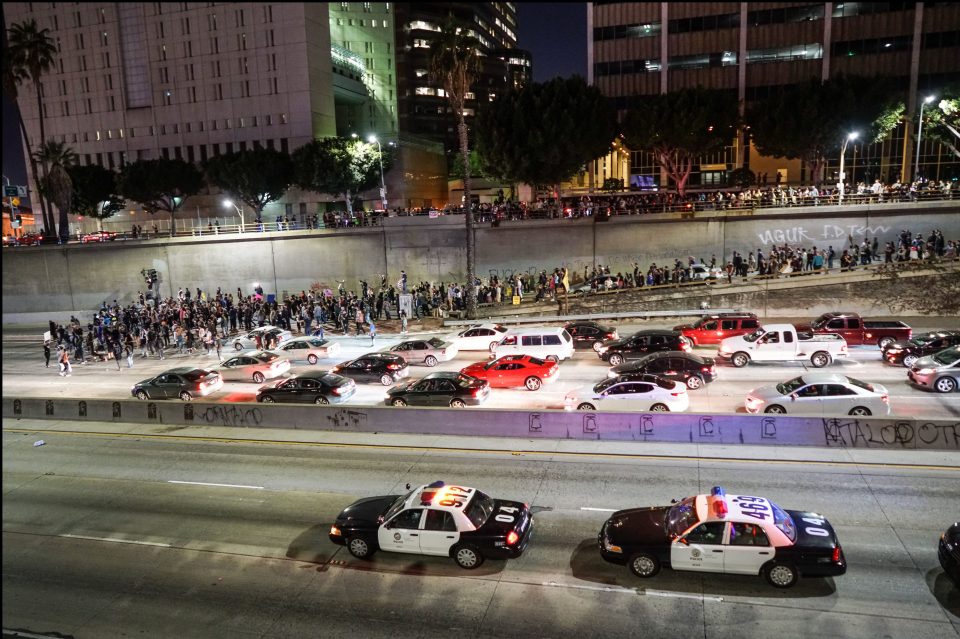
(513, 538)
(676, 394)
(335, 390)
(836, 554)
(706, 369)
(393, 367)
(477, 391)
(685, 347)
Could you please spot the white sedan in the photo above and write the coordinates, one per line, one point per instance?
(479, 337)
(822, 394)
(308, 349)
(625, 393)
(242, 342)
(253, 366)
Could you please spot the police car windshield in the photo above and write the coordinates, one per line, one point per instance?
(396, 506)
(682, 516)
(784, 522)
(479, 509)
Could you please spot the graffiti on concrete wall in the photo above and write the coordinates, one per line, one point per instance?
(814, 234)
(853, 433)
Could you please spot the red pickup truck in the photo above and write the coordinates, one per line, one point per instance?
(858, 331)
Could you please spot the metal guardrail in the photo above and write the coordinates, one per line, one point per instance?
(540, 319)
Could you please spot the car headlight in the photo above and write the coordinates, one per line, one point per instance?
(610, 373)
(925, 371)
(335, 531)
(611, 547)
(603, 349)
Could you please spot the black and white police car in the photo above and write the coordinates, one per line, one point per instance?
(436, 519)
(735, 534)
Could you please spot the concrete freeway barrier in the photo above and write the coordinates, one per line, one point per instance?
(896, 433)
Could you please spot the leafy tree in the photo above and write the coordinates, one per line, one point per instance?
(941, 120)
(338, 166)
(255, 177)
(455, 63)
(160, 185)
(94, 192)
(678, 127)
(810, 120)
(545, 132)
(31, 51)
(56, 184)
(476, 167)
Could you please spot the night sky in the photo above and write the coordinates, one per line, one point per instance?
(554, 32)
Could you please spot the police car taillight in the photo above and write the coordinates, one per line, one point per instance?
(512, 538)
(836, 554)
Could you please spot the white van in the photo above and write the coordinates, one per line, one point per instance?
(545, 342)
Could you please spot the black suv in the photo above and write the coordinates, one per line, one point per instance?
(588, 334)
(385, 368)
(908, 351)
(642, 343)
(676, 366)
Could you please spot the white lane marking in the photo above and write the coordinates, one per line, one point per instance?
(632, 591)
(601, 510)
(203, 483)
(118, 541)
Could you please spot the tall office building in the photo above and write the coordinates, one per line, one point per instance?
(749, 48)
(191, 80)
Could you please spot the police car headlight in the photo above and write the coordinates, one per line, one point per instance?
(335, 531)
(611, 547)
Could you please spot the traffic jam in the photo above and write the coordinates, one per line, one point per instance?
(814, 369)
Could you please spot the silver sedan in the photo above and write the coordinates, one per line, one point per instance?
(253, 366)
(429, 351)
(823, 394)
(308, 349)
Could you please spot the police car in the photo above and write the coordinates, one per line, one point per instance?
(722, 533)
(436, 519)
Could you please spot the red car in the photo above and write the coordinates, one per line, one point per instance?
(30, 239)
(99, 236)
(511, 371)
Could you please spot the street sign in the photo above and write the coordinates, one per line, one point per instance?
(10, 191)
(21, 191)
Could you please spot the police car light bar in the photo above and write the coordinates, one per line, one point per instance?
(718, 491)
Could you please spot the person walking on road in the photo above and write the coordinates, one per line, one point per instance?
(65, 369)
(403, 322)
(46, 353)
(373, 333)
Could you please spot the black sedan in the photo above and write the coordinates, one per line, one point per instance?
(642, 343)
(907, 352)
(949, 553)
(385, 368)
(590, 334)
(311, 387)
(440, 389)
(185, 382)
(687, 368)
(721, 533)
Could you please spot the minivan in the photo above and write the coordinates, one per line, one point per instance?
(546, 343)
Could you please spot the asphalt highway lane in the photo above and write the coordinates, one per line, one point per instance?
(108, 536)
(25, 376)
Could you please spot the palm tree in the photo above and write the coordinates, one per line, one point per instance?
(57, 184)
(32, 51)
(455, 63)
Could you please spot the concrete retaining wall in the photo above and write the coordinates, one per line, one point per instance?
(76, 277)
(849, 432)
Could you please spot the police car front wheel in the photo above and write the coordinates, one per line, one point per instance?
(467, 557)
(781, 575)
(359, 547)
(644, 565)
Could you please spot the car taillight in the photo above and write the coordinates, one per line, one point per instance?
(684, 346)
(611, 335)
(335, 390)
(477, 391)
(393, 367)
(513, 537)
(676, 394)
(707, 369)
(885, 399)
(836, 554)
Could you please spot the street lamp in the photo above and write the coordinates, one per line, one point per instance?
(916, 162)
(229, 203)
(843, 151)
(383, 185)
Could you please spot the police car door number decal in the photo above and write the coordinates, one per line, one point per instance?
(507, 518)
(755, 507)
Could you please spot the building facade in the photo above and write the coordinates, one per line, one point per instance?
(139, 81)
(750, 48)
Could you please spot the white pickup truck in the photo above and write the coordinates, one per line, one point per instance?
(782, 343)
